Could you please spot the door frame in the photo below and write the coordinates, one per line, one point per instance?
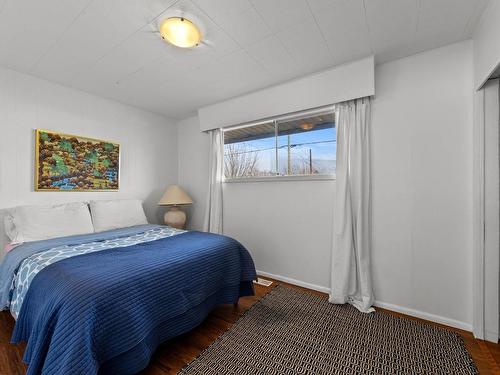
(478, 216)
(486, 212)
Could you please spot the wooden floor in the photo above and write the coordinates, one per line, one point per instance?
(173, 355)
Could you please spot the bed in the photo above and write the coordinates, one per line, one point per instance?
(102, 302)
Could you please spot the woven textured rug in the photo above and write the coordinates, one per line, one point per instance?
(293, 332)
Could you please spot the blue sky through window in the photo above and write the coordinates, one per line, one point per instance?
(311, 152)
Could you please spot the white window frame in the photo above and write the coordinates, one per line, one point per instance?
(278, 177)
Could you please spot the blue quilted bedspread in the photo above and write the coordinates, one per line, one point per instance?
(33, 264)
(105, 312)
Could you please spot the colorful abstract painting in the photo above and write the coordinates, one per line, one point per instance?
(72, 163)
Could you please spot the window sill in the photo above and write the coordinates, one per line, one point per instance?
(281, 178)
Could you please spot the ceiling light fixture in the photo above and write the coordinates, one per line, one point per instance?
(180, 32)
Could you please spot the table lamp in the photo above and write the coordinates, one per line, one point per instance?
(175, 197)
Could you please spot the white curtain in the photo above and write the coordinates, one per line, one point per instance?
(213, 210)
(351, 273)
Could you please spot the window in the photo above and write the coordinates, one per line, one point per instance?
(302, 145)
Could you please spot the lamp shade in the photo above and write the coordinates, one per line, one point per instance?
(175, 195)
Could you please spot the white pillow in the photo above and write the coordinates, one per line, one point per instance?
(107, 215)
(9, 227)
(35, 223)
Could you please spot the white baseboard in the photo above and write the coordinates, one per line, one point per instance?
(424, 315)
(400, 309)
(491, 336)
(294, 282)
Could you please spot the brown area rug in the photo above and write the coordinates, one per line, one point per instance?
(293, 332)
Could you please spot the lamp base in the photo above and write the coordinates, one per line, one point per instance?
(175, 217)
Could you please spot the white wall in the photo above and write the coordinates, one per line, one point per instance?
(422, 158)
(148, 141)
(193, 168)
(422, 182)
(286, 225)
(487, 44)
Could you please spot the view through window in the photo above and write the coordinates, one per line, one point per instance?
(298, 146)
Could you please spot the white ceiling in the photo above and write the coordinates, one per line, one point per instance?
(111, 47)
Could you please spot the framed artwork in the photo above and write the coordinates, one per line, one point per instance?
(65, 162)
